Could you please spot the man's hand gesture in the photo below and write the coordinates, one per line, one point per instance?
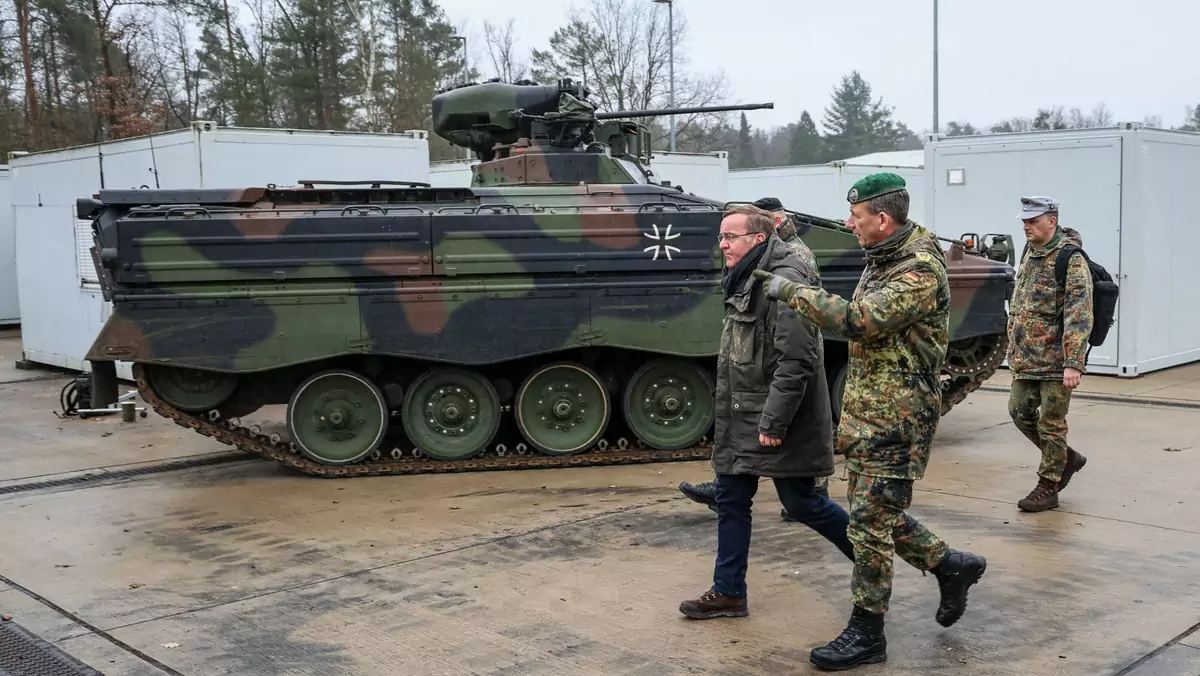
(776, 287)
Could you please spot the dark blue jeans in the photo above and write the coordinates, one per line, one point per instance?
(735, 494)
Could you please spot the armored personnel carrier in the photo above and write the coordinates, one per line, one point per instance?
(563, 310)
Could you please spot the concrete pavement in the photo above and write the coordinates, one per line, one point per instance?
(247, 568)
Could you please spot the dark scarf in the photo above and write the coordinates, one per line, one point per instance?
(738, 274)
(891, 244)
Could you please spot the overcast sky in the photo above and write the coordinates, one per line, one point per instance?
(1137, 58)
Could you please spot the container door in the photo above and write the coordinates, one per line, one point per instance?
(978, 186)
(10, 311)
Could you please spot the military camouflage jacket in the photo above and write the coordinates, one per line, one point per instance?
(898, 325)
(787, 232)
(771, 380)
(1048, 327)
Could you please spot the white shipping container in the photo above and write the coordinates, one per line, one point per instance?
(60, 300)
(10, 308)
(820, 189)
(702, 174)
(451, 173)
(1125, 189)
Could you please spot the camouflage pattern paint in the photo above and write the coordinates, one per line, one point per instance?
(1039, 410)
(560, 252)
(880, 527)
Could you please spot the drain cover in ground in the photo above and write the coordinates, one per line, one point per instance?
(24, 654)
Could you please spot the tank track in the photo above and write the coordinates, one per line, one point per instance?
(964, 381)
(229, 431)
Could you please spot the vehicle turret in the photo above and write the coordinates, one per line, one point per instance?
(531, 134)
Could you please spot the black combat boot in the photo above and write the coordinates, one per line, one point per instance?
(705, 493)
(861, 642)
(1075, 462)
(955, 575)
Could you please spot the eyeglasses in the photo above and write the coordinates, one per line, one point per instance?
(722, 236)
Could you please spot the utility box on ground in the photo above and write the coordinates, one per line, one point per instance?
(820, 189)
(10, 308)
(62, 308)
(1126, 189)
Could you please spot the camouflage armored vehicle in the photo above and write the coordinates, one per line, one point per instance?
(563, 310)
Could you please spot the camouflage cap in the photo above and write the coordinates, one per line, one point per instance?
(769, 204)
(870, 187)
(1032, 207)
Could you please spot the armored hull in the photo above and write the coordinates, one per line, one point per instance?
(413, 329)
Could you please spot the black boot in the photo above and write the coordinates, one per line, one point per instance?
(705, 493)
(861, 642)
(1075, 462)
(955, 575)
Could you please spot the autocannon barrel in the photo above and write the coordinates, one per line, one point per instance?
(681, 111)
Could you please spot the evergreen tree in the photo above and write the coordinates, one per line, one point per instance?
(960, 129)
(237, 88)
(743, 156)
(1192, 123)
(1049, 118)
(856, 125)
(903, 138)
(806, 146)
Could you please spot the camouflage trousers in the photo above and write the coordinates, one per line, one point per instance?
(822, 483)
(880, 528)
(1039, 409)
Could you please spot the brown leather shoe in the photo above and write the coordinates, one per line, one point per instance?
(713, 603)
(1043, 496)
(1075, 462)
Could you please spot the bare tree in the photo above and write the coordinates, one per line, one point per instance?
(620, 50)
(367, 58)
(31, 102)
(1100, 117)
(502, 52)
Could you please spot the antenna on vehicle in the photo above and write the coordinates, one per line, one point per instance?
(100, 151)
(154, 161)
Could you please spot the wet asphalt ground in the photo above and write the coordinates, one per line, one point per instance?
(242, 567)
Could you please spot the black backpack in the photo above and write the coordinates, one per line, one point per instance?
(1104, 292)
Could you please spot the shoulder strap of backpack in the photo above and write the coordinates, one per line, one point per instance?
(1064, 259)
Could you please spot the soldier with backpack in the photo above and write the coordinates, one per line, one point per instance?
(1056, 314)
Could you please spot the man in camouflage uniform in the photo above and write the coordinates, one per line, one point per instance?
(706, 493)
(785, 227)
(1048, 329)
(898, 325)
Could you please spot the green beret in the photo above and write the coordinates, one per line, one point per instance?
(870, 187)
